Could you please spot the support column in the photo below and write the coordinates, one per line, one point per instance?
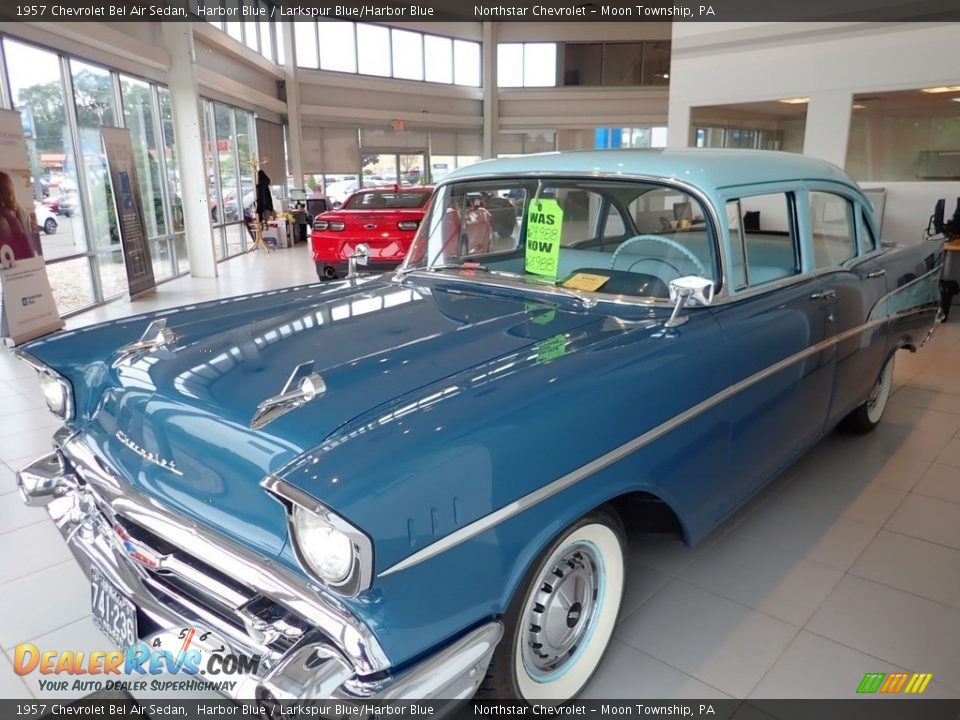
(188, 136)
(491, 95)
(828, 126)
(294, 125)
(678, 124)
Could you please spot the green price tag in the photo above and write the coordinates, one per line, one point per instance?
(551, 348)
(544, 221)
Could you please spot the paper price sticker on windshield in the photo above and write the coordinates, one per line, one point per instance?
(585, 281)
(544, 221)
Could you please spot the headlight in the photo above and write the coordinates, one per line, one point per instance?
(55, 388)
(329, 549)
(55, 393)
(326, 550)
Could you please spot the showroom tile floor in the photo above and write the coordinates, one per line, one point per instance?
(847, 563)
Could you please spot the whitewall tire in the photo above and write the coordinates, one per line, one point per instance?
(563, 615)
(868, 415)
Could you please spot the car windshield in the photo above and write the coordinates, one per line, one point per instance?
(590, 235)
(386, 200)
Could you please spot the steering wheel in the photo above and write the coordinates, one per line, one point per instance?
(663, 241)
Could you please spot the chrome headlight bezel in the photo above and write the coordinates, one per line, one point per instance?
(360, 574)
(50, 376)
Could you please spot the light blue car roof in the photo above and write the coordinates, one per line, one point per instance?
(707, 169)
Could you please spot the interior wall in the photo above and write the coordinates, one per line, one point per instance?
(909, 205)
(720, 63)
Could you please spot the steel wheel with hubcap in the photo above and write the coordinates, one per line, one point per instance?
(563, 614)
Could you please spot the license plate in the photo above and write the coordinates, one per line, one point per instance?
(114, 614)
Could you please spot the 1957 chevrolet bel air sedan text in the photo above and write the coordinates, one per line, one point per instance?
(418, 484)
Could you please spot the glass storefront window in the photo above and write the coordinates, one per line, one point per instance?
(407, 54)
(170, 153)
(70, 171)
(337, 49)
(466, 63)
(93, 99)
(72, 284)
(37, 90)
(438, 53)
(138, 117)
(230, 133)
(373, 56)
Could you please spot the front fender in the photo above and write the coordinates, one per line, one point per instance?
(412, 474)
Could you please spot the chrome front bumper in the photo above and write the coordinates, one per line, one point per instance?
(310, 646)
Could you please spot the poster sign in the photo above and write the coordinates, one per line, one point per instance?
(544, 220)
(126, 198)
(28, 310)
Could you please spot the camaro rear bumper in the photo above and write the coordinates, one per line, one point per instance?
(307, 651)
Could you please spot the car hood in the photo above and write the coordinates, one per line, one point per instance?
(176, 422)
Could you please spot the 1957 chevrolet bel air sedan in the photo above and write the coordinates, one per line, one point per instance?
(418, 484)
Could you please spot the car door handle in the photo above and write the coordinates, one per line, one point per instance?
(877, 273)
(824, 295)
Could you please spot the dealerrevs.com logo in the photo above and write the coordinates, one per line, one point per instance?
(187, 658)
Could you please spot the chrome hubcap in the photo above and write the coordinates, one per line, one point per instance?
(561, 611)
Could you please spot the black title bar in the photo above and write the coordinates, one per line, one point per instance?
(485, 10)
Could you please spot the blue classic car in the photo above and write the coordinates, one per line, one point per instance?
(418, 484)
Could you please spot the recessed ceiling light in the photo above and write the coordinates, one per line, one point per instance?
(795, 101)
(858, 106)
(954, 99)
(942, 89)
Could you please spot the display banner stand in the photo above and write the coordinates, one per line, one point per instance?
(130, 219)
(27, 308)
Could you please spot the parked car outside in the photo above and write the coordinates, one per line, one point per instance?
(419, 484)
(46, 220)
(382, 219)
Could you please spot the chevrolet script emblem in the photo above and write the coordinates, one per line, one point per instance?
(146, 455)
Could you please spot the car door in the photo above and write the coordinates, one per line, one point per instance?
(855, 283)
(779, 330)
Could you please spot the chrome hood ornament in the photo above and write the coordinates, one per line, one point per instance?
(303, 386)
(156, 336)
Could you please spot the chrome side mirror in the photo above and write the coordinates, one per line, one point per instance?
(360, 256)
(685, 289)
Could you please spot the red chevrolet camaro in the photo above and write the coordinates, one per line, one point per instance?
(385, 219)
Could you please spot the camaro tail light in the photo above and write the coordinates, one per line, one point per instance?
(335, 225)
(320, 225)
(408, 224)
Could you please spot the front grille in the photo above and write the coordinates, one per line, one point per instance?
(185, 581)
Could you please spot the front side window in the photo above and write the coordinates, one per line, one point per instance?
(609, 237)
(831, 223)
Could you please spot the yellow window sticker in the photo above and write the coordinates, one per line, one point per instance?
(544, 221)
(585, 281)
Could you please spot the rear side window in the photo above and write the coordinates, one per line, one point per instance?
(834, 236)
(763, 240)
